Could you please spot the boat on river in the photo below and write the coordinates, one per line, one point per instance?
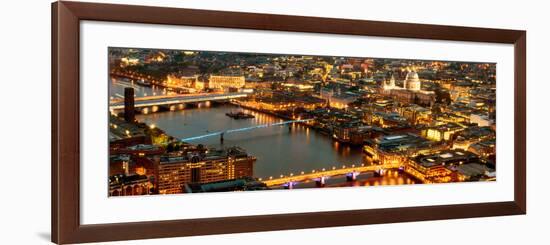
(239, 115)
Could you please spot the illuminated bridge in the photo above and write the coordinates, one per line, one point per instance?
(236, 130)
(171, 100)
(320, 176)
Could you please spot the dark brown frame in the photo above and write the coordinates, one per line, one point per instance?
(66, 17)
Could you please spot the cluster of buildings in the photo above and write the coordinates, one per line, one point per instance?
(150, 169)
(194, 83)
(173, 172)
(440, 130)
(450, 166)
(144, 160)
(281, 101)
(436, 118)
(411, 92)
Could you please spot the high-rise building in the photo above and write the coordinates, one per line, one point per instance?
(129, 110)
(173, 172)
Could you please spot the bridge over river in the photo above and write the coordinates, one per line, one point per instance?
(170, 100)
(319, 176)
(236, 130)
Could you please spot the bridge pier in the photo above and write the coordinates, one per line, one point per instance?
(221, 138)
(401, 169)
(176, 107)
(145, 110)
(154, 109)
(289, 185)
(352, 176)
(379, 172)
(320, 182)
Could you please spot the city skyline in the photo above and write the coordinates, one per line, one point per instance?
(206, 121)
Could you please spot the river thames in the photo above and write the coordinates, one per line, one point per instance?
(278, 149)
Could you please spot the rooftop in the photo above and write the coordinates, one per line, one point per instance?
(211, 154)
(446, 157)
(126, 179)
(401, 142)
(472, 169)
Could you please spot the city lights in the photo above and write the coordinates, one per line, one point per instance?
(200, 121)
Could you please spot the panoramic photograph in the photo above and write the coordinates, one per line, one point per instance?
(191, 121)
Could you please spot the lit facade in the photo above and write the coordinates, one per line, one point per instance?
(181, 81)
(393, 149)
(416, 114)
(173, 172)
(412, 82)
(129, 185)
(225, 82)
(336, 99)
(411, 92)
(441, 167)
(442, 132)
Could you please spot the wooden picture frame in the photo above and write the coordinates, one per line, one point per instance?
(66, 226)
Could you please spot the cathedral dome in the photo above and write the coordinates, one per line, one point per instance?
(412, 76)
(412, 82)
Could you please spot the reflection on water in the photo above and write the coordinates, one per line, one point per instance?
(390, 177)
(116, 89)
(279, 150)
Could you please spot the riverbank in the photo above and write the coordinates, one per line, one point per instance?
(279, 151)
(282, 116)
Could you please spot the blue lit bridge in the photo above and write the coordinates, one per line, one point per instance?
(319, 177)
(236, 130)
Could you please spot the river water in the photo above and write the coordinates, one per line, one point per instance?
(117, 85)
(279, 151)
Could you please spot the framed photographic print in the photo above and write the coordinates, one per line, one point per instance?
(177, 122)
